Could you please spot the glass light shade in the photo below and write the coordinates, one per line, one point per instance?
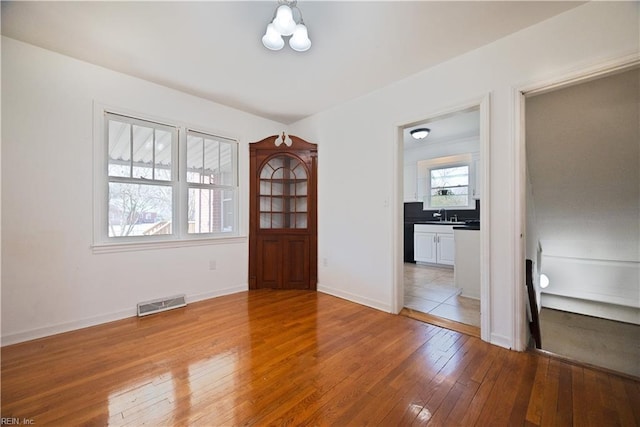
(300, 39)
(283, 22)
(272, 39)
(544, 281)
(420, 133)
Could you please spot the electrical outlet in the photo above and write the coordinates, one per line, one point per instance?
(212, 264)
(325, 262)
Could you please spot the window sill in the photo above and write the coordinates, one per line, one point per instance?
(106, 248)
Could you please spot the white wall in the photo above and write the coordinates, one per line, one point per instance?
(356, 212)
(449, 148)
(51, 279)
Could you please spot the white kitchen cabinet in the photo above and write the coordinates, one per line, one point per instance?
(425, 247)
(446, 250)
(434, 243)
(410, 182)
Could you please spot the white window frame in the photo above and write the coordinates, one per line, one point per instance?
(180, 237)
(426, 166)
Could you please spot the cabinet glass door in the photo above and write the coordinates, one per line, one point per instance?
(283, 193)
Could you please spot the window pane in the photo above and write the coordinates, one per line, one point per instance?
(119, 148)
(163, 155)
(449, 200)
(449, 177)
(211, 162)
(142, 152)
(227, 176)
(299, 171)
(211, 210)
(139, 151)
(450, 187)
(195, 159)
(265, 220)
(139, 210)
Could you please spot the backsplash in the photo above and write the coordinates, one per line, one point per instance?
(413, 212)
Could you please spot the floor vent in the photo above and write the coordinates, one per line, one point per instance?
(162, 304)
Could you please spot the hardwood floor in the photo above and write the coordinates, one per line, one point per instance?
(297, 358)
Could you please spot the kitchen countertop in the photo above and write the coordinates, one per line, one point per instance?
(467, 227)
(457, 225)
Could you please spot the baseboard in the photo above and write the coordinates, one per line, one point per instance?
(475, 297)
(105, 318)
(217, 293)
(34, 334)
(355, 298)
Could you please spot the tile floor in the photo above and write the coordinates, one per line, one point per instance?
(432, 290)
(600, 342)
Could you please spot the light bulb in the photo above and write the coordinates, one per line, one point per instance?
(544, 281)
(300, 39)
(283, 22)
(272, 39)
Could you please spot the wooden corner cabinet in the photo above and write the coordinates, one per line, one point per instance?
(283, 214)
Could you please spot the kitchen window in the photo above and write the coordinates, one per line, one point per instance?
(162, 182)
(447, 182)
(449, 187)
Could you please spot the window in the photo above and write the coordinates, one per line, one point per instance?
(211, 179)
(145, 193)
(449, 187)
(141, 177)
(447, 182)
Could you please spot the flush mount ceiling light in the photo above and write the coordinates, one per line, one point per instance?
(284, 25)
(420, 133)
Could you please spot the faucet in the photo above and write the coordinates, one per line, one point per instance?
(441, 214)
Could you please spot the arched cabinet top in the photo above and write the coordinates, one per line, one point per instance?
(269, 143)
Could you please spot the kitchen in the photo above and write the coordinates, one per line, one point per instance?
(442, 219)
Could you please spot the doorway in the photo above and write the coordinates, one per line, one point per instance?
(582, 163)
(444, 177)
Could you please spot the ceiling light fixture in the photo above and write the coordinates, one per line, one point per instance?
(420, 133)
(283, 25)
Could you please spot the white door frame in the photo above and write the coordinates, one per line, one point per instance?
(484, 102)
(617, 65)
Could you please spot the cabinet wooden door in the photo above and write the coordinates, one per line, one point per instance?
(283, 214)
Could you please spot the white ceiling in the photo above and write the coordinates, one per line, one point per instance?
(213, 49)
(451, 127)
